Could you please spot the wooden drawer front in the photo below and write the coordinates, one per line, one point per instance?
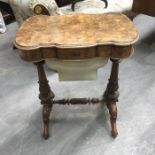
(76, 54)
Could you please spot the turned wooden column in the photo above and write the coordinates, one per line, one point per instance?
(46, 96)
(111, 95)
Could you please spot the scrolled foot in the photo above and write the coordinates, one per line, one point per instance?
(114, 133)
(46, 114)
(113, 116)
(46, 131)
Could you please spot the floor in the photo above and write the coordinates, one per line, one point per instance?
(79, 130)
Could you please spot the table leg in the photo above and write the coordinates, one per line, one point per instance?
(46, 96)
(111, 95)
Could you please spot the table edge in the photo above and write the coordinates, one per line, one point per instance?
(71, 46)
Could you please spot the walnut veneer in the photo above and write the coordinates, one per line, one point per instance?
(73, 31)
(76, 37)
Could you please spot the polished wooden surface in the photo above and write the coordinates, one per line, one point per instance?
(75, 31)
(76, 37)
(111, 51)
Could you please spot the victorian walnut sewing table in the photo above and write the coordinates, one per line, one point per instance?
(77, 37)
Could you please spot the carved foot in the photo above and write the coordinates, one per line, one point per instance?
(113, 116)
(46, 115)
(46, 131)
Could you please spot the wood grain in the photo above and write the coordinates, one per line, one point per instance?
(75, 31)
(111, 51)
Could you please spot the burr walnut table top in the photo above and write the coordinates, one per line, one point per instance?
(75, 31)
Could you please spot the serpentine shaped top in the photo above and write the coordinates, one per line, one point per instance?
(76, 31)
